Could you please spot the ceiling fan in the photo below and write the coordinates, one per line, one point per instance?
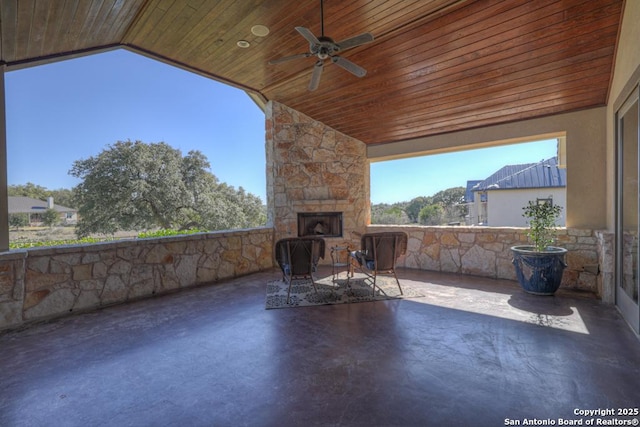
(324, 47)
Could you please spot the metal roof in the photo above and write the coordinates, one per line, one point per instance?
(468, 193)
(544, 174)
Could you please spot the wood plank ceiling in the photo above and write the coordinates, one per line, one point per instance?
(434, 67)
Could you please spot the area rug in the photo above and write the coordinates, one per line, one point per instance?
(340, 291)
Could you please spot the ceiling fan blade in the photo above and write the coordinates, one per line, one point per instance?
(307, 34)
(289, 58)
(349, 66)
(355, 41)
(315, 77)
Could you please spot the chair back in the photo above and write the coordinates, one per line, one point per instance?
(384, 248)
(300, 254)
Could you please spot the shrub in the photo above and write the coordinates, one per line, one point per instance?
(542, 222)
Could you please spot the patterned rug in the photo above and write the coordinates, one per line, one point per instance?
(340, 291)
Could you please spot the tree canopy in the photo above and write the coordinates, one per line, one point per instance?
(141, 186)
(384, 213)
(50, 217)
(17, 220)
(61, 196)
(446, 206)
(431, 214)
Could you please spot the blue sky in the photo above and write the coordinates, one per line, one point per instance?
(426, 175)
(69, 110)
(64, 111)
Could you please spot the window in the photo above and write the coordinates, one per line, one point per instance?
(471, 187)
(627, 212)
(86, 104)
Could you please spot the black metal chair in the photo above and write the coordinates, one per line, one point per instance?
(378, 255)
(298, 258)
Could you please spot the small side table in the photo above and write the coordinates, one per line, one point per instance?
(339, 261)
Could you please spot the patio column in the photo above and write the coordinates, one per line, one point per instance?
(4, 203)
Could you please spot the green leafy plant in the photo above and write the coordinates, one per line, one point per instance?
(89, 240)
(542, 223)
(168, 232)
(27, 245)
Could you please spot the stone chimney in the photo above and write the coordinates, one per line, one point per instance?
(50, 204)
(315, 171)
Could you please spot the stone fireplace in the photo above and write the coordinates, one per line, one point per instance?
(314, 169)
(322, 224)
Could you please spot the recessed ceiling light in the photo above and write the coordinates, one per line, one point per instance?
(243, 44)
(259, 30)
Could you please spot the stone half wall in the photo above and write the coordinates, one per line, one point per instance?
(313, 168)
(46, 283)
(51, 282)
(485, 251)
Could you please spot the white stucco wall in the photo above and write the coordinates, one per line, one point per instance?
(504, 207)
(626, 74)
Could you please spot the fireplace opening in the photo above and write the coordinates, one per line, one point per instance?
(325, 224)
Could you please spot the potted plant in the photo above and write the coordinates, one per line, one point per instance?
(539, 266)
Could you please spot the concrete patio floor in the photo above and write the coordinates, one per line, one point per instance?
(472, 352)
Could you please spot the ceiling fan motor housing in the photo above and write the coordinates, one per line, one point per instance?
(325, 48)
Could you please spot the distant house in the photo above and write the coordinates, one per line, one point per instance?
(34, 208)
(498, 200)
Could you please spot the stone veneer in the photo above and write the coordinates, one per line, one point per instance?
(485, 251)
(43, 283)
(313, 168)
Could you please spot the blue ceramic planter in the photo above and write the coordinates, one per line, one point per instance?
(539, 273)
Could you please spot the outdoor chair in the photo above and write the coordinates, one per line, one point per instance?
(378, 255)
(298, 258)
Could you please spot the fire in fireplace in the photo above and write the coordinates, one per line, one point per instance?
(325, 224)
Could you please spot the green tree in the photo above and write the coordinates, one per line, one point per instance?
(140, 186)
(63, 197)
(452, 201)
(28, 190)
(50, 217)
(18, 220)
(388, 214)
(414, 206)
(254, 212)
(449, 197)
(431, 214)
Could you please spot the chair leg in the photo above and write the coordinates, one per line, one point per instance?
(398, 282)
(350, 272)
(288, 279)
(375, 276)
(314, 284)
(351, 267)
